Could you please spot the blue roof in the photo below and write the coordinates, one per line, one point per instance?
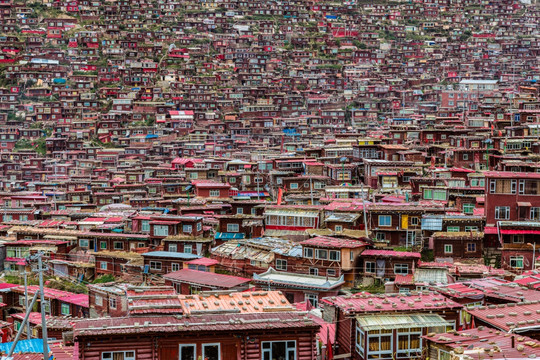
(228, 236)
(24, 346)
(174, 255)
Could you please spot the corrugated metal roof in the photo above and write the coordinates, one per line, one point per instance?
(379, 322)
(510, 316)
(390, 253)
(241, 302)
(24, 346)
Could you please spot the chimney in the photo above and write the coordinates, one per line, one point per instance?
(513, 342)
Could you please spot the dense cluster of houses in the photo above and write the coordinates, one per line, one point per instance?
(275, 180)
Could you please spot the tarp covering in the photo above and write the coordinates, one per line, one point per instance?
(379, 321)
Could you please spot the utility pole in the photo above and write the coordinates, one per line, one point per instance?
(28, 333)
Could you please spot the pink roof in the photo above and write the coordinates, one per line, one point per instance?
(510, 174)
(391, 253)
(404, 279)
(508, 316)
(414, 302)
(331, 242)
(203, 261)
(207, 278)
(65, 296)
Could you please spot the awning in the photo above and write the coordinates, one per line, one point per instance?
(490, 230)
(228, 236)
(520, 232)
(524, 204)
(379, 322)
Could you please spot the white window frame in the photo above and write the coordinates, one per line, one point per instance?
(281, 264)
(193, 346)
(63, 307)
(161, 230)
(175, 266)
(319, 252)
(515, 259)
(308, 253)
(288, 350)
(187, 229)
(214, 193)
(109, 355)
(188, 247)
(233, 228)
(398, 269)
(448, 248)
(381, 354)
(98, 300)
(313, 271)
(412, 353)
(338, 228)
(337, 255)
(173, 247)
(384, 217)
(203, 346)
(113, 303)
(154, 267)
(103, 265)
(313, 298)
(502, 212)
(373, 266)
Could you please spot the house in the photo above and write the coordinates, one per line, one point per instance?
(394, 322)
(457, 245)
(387, 264)
(164, 262)
(271, 335)
(298, 287)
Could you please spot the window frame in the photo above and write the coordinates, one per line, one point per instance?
(193, 346)
(268, 350)
(384, 217)
(203, 346)
(401, 267)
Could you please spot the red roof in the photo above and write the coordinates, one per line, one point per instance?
(404, 279)
(206, 278)
(391, 253)
(202, 261)
(508, 316)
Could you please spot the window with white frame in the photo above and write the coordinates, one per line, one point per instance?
(380, 236)
(331, 272)
(308, 253)
(175, 266)
(103, 265)
(313, 299)
(518, 239)
(321, 254)
(535, 213)
(281, 264)
(199, 226)
(335, 255)
(187, 229)
(294, 186)
(414, 221)
(452, 229)
(502, 212)
(401, 269)
(211, 351)
(338, 228)
(516, 262)
(214, 193)
(112, 303)
(161, 230)
(173, 247)
(145, 226)
(155, 265)
(118, 245)
(448, 248)
(313, 271)
(278, 350)
(370, 267)
(239, 210)
(471, 228)
(99, 300)
(409, 342)
(233, 228)
(379, 344)
(188, 351)
(188, 248)
(118, 355)
(385, 220)
(468, 208)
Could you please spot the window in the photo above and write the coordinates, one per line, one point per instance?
(239, 210)
(414, 220)
(65, 310)
(428, 194)
(379, 344)
(331, 272)
(173, 247)
(281, 264)
(439, 195)
(199, 226)
(233, 228)
(188, 352)
(112, 303)
(401, 269)
(285, 350)
(155, 265)
(448, 249)
(465, 157)
(513, 186)
(370, 267)
(308, 253)
(321, 254)
(313, 299)
(535, 213)
(335, 255)
(294, 186)
(145, 226)
(338, 228)
(492, 186)
(188, 249)
(118, 245)
(502, 212)
(103, 265)
(380, 236)
(99, 300)
(118, 355)
(103, 245)
(471, 228)
(409, 342)
(471, 247)
(175, 267)
(385, 220)
(211, 352)
(161, 230)
(83, 243)
(187, 229)
(452, 229)
(313, 271)
(468, 208)
(516, 262)
(214, 193)
(517, 239)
